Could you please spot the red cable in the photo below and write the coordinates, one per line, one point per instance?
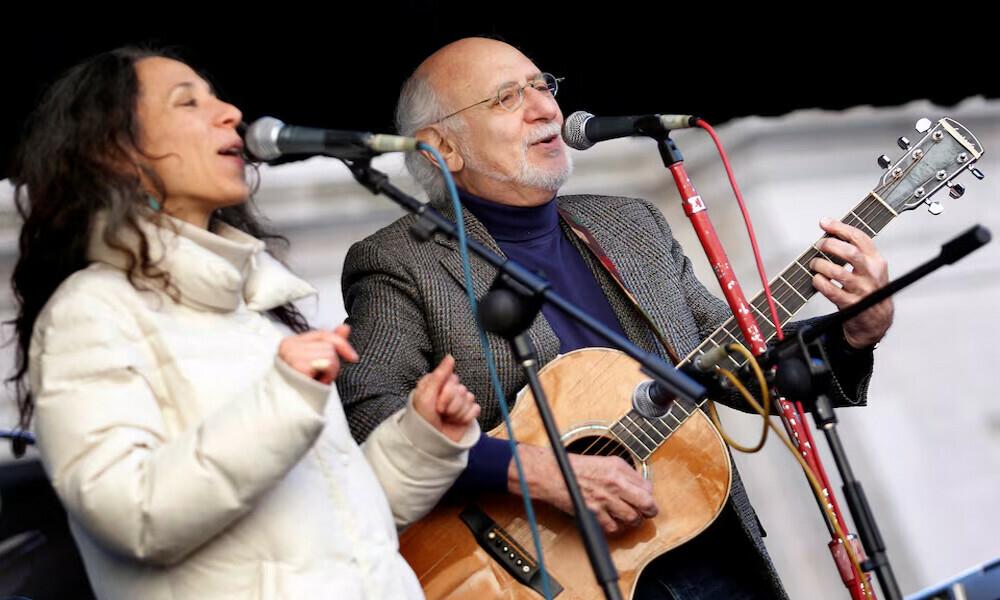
(746, 219)
(813, 461)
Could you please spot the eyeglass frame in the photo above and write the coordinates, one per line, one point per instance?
(520, 94)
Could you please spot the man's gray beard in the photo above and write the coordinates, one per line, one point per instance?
(528, 174)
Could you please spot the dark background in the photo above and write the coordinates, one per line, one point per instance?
(341, 66)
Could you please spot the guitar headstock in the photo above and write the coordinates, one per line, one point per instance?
(945, 150)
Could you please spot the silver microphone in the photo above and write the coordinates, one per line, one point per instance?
(268, 138)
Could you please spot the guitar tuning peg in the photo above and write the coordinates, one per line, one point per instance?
(935, 208)
(884, 161)
(977, 173)
(957, 190)
(922, 125)
(903, 143)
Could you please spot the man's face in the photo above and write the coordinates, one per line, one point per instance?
(520, 150)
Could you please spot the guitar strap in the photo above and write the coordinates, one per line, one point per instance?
(588, 240)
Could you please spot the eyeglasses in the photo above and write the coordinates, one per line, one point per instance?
(511, 95)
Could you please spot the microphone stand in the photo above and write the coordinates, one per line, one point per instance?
(801, 376)
(508, 310)
(791, 414)
(519, 282)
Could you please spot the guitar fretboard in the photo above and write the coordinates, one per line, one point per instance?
(791, 290)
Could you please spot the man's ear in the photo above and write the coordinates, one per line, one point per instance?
(432, 136)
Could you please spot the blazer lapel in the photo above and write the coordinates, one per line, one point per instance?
(635, 327)
(541, 334)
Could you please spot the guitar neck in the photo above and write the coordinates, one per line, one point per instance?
(793, 287)
(791, 290)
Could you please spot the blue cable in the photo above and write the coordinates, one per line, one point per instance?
(463, 247)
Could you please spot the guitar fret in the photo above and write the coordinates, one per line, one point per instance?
(782, 318)
(798, 276)
(862, 222)
(639, 448)
(781, 287)
(767, 328)
(790, 299)
(652, 433)
(643, 430)
(804, 258)
(778, 303)
(681, 406)
(883, 203)
(621, 432)
(634, 436)
(883, 213)
(804, 299)
(656, 423)
(723, 334)
(803, 278)
(761, 314)
(733, 337)
(880, 220)
(766, 331)
(828, 257)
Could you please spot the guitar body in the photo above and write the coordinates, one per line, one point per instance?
(588, 389)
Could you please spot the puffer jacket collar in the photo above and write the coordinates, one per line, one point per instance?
(212, 271)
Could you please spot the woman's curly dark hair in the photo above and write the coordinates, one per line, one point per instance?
(78, 156)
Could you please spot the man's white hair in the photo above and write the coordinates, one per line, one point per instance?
(419, 106)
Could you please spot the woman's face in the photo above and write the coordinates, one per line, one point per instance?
(190, 140)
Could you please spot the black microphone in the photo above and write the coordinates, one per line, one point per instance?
(268, 138)
(582, 129)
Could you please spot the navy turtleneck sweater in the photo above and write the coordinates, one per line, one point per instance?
(533, 237)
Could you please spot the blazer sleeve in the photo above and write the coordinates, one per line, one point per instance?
(385, 311)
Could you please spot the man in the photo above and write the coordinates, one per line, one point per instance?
(493, 117)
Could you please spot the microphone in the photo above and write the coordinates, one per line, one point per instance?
(582, 129)
(652, 400)
(268, 138)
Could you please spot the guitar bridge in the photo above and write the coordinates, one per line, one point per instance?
(503, 549)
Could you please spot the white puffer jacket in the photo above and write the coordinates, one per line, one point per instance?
(194, 463)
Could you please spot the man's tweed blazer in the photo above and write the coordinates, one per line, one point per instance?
(408, 309)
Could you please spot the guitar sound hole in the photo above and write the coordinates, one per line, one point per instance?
(600, 446)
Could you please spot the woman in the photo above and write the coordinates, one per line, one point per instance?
(189, 435)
